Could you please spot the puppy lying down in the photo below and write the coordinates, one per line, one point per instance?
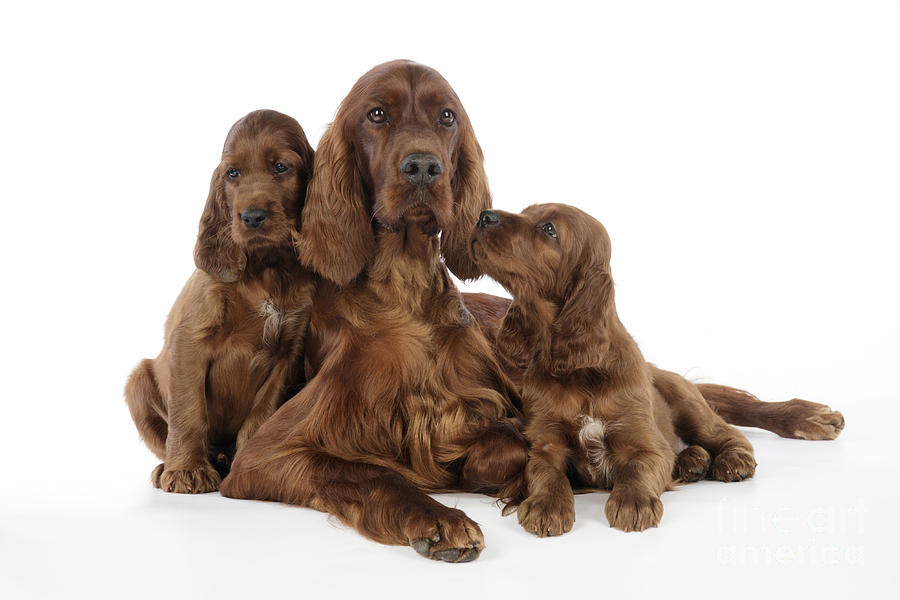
(593, 414)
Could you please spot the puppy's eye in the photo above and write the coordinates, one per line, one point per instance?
(377, 115)
(233, 173)
(280, 167)
(447, 117)
(549, 230)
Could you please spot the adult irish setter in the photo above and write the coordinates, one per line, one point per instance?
(234, 337)
(406, 397)
(589, 398)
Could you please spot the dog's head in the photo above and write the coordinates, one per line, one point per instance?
(400, 152)
(256, 193)
(554, 260)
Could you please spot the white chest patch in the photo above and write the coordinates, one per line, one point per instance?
(272, 325)
(592, 438)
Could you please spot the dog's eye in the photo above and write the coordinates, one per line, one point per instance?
(549, 230)
(447, 117)
(377, 115)
(280, 167)
(233, 173)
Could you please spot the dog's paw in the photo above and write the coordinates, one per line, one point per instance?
(630, 510)
(449, 536)
(545, 515)
(806, 420)
(691, 464)
(732, 465)
(186, 481)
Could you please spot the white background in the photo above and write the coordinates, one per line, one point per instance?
(744, 157)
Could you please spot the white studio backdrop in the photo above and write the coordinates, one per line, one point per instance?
(743, 156)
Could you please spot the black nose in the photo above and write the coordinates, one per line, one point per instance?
(420, 168)
(253, 217)
(488, 218)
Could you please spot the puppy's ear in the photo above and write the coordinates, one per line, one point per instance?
(307, 157)
(215, 251)
(519, 336)
(579, 336)
(336, 237)
(471, 195)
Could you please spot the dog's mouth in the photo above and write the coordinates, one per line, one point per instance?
(270, 234)
(423, 216)
(422, 207)
(478, 247)
(481, 253)
(493, 261)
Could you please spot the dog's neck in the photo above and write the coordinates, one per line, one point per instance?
(407, 269)
(273, 269)
(617, 362)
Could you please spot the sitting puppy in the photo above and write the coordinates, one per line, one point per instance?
(234, 337)
(591, 407)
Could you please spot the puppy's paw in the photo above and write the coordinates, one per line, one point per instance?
(631, 510)
(200, 480)
(449, 536)
(544, 514)
(691, 464)
(806, 420)
(732, 465)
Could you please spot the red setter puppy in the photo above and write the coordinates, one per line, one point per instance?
(235, 334)
(407, 396)
(594, 407)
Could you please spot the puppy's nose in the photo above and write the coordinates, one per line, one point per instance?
(253, 217)
(420, 168)
(488, 218)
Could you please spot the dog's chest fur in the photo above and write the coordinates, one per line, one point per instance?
(277, 322)
(592, 434)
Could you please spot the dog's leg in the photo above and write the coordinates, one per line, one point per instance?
(639, 463)
(186, 468)
(495, 463)
(147, 407)
(265, 403)
(378, 502)
(795, 418)
(549, 508)
(283, 462)
(697, 424)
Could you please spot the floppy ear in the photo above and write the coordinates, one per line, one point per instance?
(307, 156)
(578, 336)
(336, 238)
(519, 336)
(215, 252)
(471, 195)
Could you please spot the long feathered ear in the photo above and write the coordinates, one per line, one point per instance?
(471, 195)
(336, 238)
(578, 336)
(215, 252)
(519, 336)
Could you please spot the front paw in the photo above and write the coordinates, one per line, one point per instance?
(447, 535)
(630, 510)
(544, 514)
(186, 481)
